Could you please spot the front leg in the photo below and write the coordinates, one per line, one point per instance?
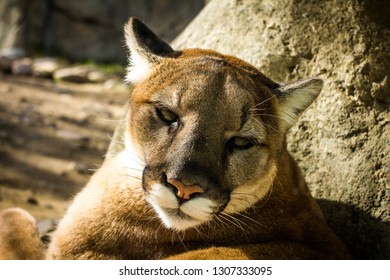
(19, 236)
(212, 253)
(266, 251)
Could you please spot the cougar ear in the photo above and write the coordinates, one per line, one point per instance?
(145, 48)
(295, 97)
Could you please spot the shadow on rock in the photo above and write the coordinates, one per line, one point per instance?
(367, 237)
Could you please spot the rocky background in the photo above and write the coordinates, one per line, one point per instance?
(342, 141)
(87, 29)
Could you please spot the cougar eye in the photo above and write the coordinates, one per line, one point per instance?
(166, 116)
(241, 143)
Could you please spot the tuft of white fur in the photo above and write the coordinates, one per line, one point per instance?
(162, 197)
(140, 66)
(199, 208)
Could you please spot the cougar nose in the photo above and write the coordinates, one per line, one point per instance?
(184, 191)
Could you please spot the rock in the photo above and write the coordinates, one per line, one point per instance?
(95, 76)
(8, 56)
(97, 110)
(4, 135)
(80, 74)
(111, 83)
(32, 201)
(45, 66)
(82, 169)
(8, 89)
(78, 140)
(88, 29)
(76, 74)
(46, 226)
(69, 135)
(70, 167)
(22, 66)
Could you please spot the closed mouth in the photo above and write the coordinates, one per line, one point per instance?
(180, 216)
(177, 213)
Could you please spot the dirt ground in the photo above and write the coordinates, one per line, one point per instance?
(53, 135)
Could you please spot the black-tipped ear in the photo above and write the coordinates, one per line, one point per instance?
(145, 48)
(295, 97)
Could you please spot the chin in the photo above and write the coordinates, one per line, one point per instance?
(180, 216)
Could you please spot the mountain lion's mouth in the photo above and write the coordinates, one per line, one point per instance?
(180, 215)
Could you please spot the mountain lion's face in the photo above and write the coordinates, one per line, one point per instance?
(208, 127)
(204, 130)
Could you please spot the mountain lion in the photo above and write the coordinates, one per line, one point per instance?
(205, 173)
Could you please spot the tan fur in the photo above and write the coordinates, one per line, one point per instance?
(215, 127)
(19, 237)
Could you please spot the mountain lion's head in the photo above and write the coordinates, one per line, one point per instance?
(209, 128)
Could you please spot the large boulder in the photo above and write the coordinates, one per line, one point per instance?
(342, 142)
(87, 29)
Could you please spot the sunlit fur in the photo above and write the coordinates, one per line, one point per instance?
(139, 67)
(19, 237)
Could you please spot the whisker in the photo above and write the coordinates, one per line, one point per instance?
(125, 174)
(125, 169)
(262, 102)
(227, 219)
(156, 236)
(270, 115)
(266, 125)
(132, 168)
(236, 221)
(280, 183)
(219, 220)
(267, 199)
(201, 234)
(258, 109)
(181, 239)
(116, 140)
(252, 220)
(135, 158)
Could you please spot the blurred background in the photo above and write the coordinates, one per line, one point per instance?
(88, 29)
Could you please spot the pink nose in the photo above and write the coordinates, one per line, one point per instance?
(184, 191)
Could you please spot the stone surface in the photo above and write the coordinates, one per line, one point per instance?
(45, 66)
(342, 141)
(88, 29)
(10, 15)
(95, 76)
(73, 74)
(8, 56)
(22, 66)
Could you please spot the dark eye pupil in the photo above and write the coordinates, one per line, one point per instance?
(166, 115)
(240, 143)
